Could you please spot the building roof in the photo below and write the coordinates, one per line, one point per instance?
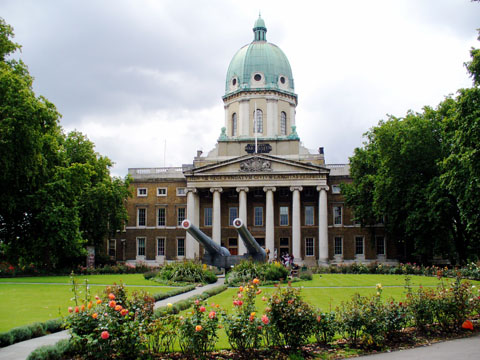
(259, 65)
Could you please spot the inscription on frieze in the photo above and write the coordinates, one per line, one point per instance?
(261, 148)
(255, 165)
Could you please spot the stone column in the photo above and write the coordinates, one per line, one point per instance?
(296, 230)
(322, 225)
(269, 222)
(191, 245)
(217, 215)
(242, 214)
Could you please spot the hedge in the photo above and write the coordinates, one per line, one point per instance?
(30, 331)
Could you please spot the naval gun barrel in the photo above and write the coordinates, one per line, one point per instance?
(212, 247)
(253, 248)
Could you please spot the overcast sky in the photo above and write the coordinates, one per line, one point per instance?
(134, 75)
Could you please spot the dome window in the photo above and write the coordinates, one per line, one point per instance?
(234, 124)
(257, 77)
(282, 79)
(283, 123)
(234, 81)
(258, 122)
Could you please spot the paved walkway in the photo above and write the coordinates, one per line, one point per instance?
(21, 350)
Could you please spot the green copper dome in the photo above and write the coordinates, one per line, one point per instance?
(259, 65)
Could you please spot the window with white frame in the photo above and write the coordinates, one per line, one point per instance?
(207, 216)
(337, 215)
(160, 246)
(141, 246)
(142, 192)
(309, 215)
(234, 124)
(284, 215)
(141, 217)
(161, 216)
(232, 215)
(359, 245)
(112, 247)
(180, 247)
(258, 216)
(283, 123)
(181, 191)
(380, 245)
(309, 246)
(162, 191)
(259, 121)
(180, 215)
(338, 245)
(336, 189)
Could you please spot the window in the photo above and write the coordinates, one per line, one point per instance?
(283, 123)
(207, 213)
(233, 246)
(160, 246)
(338, 248)
(234, 124)
(181, 191)
(380, 245)
(161, 216)
(141, 242)
(180, 247)
(112, 247)
(258, 120)
(309, 215)
(257, 77)
(309, 246)
(258, 216)
(162, 191)
(142, 192)
(336, 189)
(283, 191)
(283, 215)
(337, 215)
(180, 216)
(141, 217)
(232, 215)
(358, 245)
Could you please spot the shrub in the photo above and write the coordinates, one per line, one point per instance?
(21, 333)
(6, 339)
(306, 275)
(292, 319)
(248, 270)
(187, 271)
(198, 332)
(51, 352)
(162, 334)
(324, 328)
(112, 326)
(37, 329)
(53, 325)
(244, 328)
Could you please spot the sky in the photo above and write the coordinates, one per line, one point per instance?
(144, 79)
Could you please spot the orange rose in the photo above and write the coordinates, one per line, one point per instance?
(256, 281)
(77, 309)
(112, 304)
(82, 308)
(94, 315)
(198, 328)
(118, 308)
(89, 305)
(111, 296)
(99, 302)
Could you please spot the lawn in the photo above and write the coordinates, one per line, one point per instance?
(27, 300)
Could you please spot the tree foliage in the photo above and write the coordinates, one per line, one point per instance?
(56, 193)
(421, 173)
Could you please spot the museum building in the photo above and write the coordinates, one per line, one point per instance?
(259, 171)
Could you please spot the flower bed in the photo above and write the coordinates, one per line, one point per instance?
(287, 325)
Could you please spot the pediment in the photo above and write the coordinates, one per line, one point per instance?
(257, 164)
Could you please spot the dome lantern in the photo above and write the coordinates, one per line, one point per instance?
(259, 30)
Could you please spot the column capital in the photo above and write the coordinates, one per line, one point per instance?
(191, 189)
(323, 187)
(269, 188)
(216, 189)
(242, 189)
(293, 188)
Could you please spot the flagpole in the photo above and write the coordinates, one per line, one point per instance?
(255, 127)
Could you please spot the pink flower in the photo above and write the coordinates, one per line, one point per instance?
(105, 335)
(212, 314)
(202, 309)
(264, 298)
(70, 309)
(240, 296)
(265, 319)
(197, 302)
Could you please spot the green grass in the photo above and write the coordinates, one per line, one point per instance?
(24, 303)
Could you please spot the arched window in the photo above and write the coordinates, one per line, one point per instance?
(234, 124)
(258, 120)
(283, 123)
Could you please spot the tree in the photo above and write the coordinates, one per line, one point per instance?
(56, 193)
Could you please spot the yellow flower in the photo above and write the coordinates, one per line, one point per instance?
(169, 305)
(252, 314)
(379, 286)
